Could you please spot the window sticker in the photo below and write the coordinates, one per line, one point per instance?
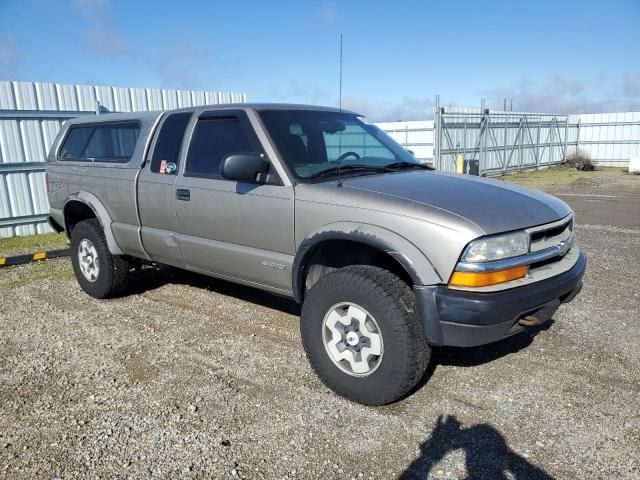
(163, 166)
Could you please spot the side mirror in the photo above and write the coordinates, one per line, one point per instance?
(244, 167)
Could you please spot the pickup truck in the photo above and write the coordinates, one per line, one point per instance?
(387, 256)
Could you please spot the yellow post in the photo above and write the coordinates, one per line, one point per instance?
(459, 163)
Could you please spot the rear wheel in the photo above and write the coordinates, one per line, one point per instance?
(362, 334)
(98, 272)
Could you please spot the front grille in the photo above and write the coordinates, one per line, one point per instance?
(542, 238)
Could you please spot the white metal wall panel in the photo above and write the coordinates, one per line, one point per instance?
(104, 95)
(7, 99)
(213, 98)
(46, 96)
(5, 210)
(25, 93)
(170, 99)
(609, 138)
(184, 99)
(416, 136)
(86, 98)
(122, 100)
(154, 99)
(67, 98)
(27, 138)
(197, 98)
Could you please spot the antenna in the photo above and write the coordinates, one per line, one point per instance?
(340, 88)
(340, 103)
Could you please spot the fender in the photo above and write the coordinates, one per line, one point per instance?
(101, 214)
(406, 253)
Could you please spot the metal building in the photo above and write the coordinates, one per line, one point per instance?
(31, 115)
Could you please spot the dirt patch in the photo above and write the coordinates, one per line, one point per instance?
(605, 180)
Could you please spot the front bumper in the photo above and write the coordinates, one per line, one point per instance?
(464, 319)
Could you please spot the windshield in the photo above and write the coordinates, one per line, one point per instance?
(314, 143)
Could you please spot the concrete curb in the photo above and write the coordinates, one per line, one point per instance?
(33, 257)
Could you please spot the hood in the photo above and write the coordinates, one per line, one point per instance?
(492, 205)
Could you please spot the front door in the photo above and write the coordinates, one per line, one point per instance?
(241, 231)
(157, 191)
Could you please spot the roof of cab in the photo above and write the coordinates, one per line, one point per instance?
(151, 116)
(286, 106)
(264, 106)
(116, 117)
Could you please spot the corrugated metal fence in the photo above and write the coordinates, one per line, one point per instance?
(610, 139)
(31, 115)
(416, 136)
(507, 141)
(499, 141)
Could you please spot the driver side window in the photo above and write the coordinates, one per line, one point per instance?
(213, 139)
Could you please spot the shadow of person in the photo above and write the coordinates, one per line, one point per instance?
(487, 454)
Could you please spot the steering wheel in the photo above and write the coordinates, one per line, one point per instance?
(347, 154)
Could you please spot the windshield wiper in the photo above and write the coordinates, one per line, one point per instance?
(348, 168)
(406, 165)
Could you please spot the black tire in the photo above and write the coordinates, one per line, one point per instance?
(113, 271)
(392, 304)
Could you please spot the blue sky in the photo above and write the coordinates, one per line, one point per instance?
(554, 56)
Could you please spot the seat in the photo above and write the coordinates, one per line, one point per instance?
(296, 149)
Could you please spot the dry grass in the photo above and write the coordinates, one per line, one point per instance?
(604, 180)
(32, 243)
(578, 159)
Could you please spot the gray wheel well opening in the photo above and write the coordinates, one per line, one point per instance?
(333, 254)
(74, 212)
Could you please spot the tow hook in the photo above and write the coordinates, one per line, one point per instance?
(540, 315)
(529, 321)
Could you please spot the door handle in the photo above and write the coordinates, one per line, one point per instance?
(183, 194)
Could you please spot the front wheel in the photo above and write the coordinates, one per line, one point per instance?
(362, 334)
(99, 273)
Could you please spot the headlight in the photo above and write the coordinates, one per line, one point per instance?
(498, 247)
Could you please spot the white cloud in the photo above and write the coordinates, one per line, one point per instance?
(562, 84)
(632, 85)
(8, 50)
(8, 57)
(89, 7)
(103, 38)
(408, 108)
(564, 95)
(560, 93)
(106, 41)
(327, 14)
(297, 91)
(175, 63)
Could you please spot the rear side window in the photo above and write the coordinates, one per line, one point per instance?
(213, 139)
(105, 142)
(166, 153)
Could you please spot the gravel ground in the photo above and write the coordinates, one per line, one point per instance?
(190, 377)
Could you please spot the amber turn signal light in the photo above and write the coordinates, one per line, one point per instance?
(483, 279)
